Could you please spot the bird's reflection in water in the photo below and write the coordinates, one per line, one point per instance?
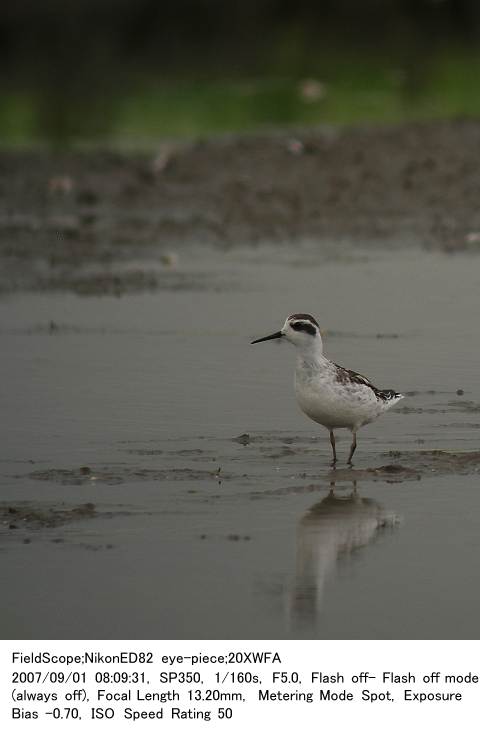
(333, 528)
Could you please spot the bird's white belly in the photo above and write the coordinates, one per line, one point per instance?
(335, 406)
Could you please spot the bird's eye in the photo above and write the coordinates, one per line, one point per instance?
(302, 326)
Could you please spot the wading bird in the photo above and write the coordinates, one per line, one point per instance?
(329, 394)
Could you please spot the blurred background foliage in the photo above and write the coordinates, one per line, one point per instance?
(128, 71)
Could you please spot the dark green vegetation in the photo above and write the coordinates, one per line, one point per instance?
(344, 90)
(132, 71)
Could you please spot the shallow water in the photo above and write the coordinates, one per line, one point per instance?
(216, 512)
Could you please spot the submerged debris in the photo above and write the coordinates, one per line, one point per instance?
(34, 516)
(120, 474)
(243, 439)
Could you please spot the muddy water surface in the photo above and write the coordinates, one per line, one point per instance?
(158, 481)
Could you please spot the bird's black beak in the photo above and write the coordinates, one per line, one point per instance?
(277, 335)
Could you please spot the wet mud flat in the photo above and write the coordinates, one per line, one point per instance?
(156, 476)
(107, 222)
(272, 535)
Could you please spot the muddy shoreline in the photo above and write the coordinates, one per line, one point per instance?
(92, 221)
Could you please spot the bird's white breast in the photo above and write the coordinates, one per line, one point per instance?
(332, 403)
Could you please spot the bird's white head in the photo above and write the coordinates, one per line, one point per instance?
(301, 330)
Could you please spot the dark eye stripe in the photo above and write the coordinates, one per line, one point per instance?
(302, 326)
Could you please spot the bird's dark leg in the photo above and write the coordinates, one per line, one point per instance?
(332, 441)
(352, 447)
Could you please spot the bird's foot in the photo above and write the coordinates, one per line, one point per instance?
(333, 464)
